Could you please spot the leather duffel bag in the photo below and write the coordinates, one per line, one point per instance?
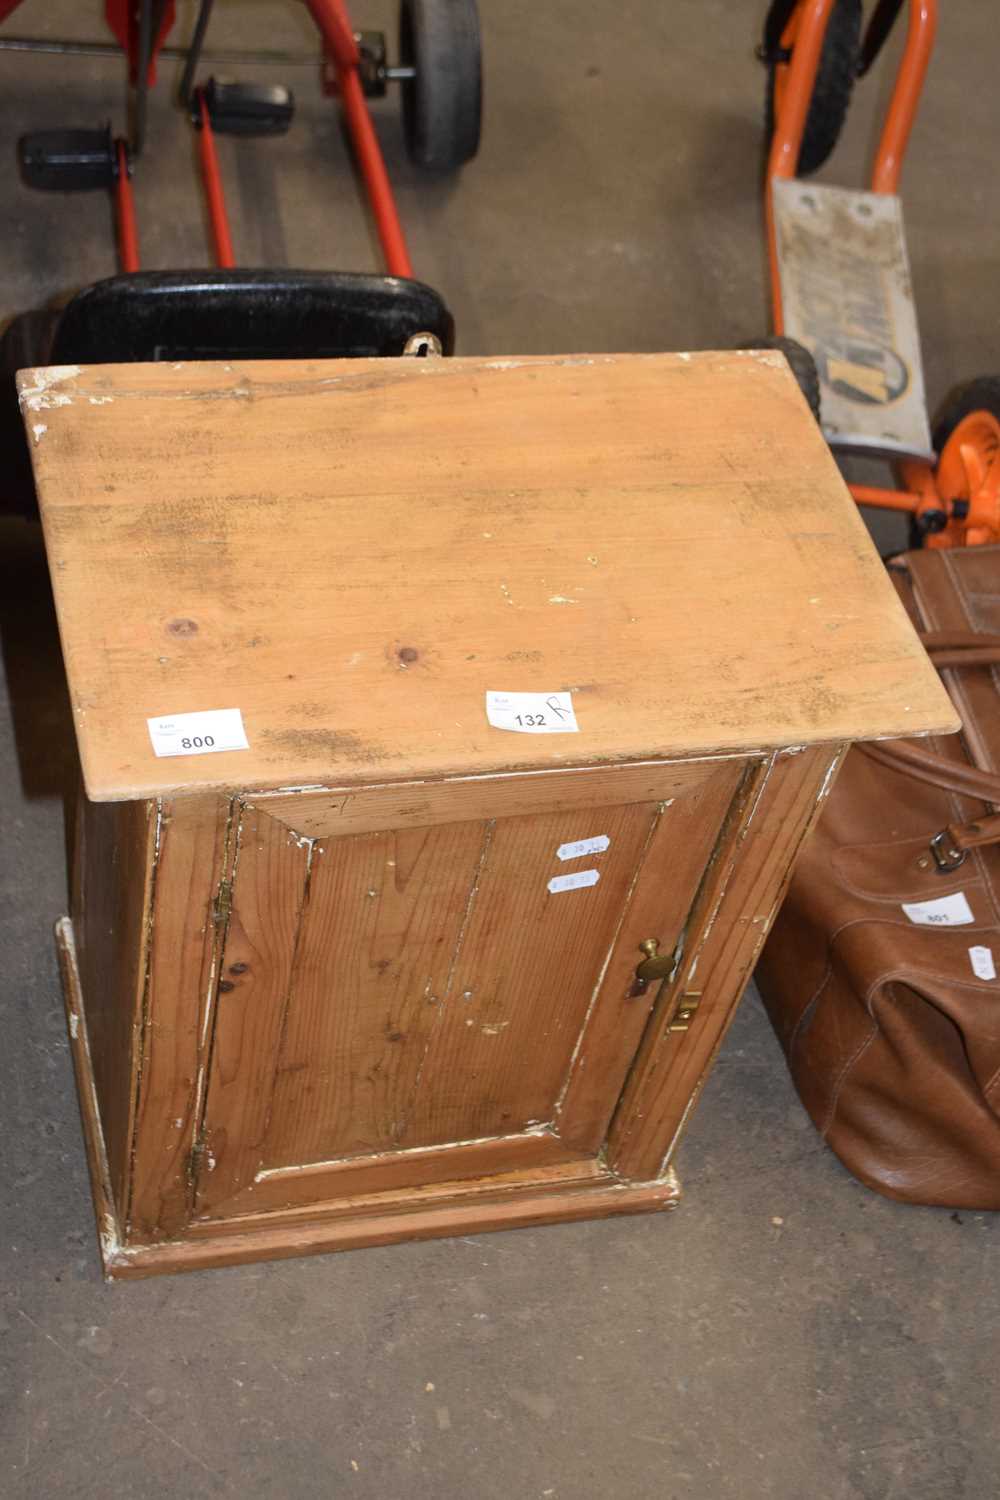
(881, 973)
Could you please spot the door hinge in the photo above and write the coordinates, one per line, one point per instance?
(223, 904)
(194, 1163)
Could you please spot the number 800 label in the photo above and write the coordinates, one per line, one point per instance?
(204, 733)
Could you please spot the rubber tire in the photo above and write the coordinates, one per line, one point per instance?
(835, 77)
(26, 341)
(981, 394)
(802, 363)
(442, 106)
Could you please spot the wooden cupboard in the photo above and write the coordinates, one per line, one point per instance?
(401, 966)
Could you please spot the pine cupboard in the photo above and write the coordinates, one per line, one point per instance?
(408, 960)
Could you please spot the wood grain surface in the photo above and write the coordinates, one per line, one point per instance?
(398, 1008)
(354, 552)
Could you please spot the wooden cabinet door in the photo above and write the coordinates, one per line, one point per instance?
(403, 1006)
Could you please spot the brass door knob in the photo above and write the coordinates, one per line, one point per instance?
(655, 965)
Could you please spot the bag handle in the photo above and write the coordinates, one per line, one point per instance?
(950, 648)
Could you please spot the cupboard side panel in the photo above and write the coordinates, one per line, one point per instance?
(735, 915)
(114, 859)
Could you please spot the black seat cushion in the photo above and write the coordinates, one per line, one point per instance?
(241, 314)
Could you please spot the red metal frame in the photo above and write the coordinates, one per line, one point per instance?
(211, 177)
(334, 24)
(335, 27)
(128, 234)
(122, 18)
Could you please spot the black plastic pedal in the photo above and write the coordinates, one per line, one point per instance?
(68, 161)
(248, 108)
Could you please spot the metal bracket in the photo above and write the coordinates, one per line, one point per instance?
(685, 1011)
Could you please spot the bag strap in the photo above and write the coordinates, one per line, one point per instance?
(961, 648)
(950, 648)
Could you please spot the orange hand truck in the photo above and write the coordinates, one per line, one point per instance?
(840, 278)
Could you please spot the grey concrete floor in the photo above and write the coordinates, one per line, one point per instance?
(786, 1333)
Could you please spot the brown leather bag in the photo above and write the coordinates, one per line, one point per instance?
(882, 972)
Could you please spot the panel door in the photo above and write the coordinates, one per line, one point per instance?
(406, 1006)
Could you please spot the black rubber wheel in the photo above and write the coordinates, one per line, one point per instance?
(838, 66)
(802, 363)
(26, 341)
(442, 106)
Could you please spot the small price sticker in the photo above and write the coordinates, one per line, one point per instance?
(574, 882)
(982, 963)
(205, 733)
(596, 845)
(532, 713)
(945, 911)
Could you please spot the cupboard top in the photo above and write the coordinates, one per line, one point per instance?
(353, 553)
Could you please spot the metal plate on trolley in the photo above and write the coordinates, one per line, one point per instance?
(846, 295)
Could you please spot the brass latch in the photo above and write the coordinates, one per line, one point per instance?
(682, 1018)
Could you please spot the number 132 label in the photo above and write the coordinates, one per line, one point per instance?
(532, 713)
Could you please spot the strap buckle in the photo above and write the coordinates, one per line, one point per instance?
(947, 856)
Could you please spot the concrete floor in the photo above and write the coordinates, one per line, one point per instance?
(786, 1333)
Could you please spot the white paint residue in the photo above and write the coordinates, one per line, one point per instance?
(595, 845)
(561, 599)
(503, 364)
(45, 401)
(982, 963)
(40, 396)
(945, 911)
(574, 882)
(100, 400)
(108, 1235)
(46, 376)
(74, 1025)
(37, 428)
